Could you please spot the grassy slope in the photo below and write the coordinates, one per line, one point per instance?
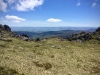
(50, 57)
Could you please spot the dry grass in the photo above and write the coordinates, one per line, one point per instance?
(50, 57)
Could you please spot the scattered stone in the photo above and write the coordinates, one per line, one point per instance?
(37, 39)
(25, 38)
(53, 46)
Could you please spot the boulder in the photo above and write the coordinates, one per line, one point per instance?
(6, 28)
(37, 39)
(25, 38)
(25, 35)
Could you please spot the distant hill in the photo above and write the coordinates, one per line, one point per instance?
(48, 34)
(45, 32)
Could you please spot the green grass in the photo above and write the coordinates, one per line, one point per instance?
(50, 57)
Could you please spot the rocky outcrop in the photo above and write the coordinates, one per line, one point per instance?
(25, 35)
(5, 27)
(5, 31)
(83, 36)
(98, 29)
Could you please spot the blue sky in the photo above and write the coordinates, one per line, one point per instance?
(50, 13)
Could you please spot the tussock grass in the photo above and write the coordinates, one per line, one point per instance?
(51, 57)
(7, 71)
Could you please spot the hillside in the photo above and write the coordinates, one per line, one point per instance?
(51, 56)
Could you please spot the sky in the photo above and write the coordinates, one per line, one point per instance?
(50, 13)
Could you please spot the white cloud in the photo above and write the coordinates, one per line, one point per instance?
(25, 5)
(20, 5)
(14, 18)
(53, 20)
(94, 4)
(78, 4)
(3, 5)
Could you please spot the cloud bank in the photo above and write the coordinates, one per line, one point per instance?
(53, 20)
(14, 18)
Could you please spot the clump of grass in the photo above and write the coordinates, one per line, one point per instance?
(2, 46)
(7, 71)
(38, 64)
(95, 70)
(68, 74)
(43, 65)
(47, 66)
(52, 56)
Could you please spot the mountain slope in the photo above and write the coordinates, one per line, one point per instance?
(51, 56)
